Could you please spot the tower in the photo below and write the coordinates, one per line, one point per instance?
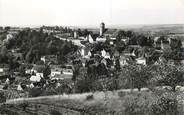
(75, 34)
(102, 28)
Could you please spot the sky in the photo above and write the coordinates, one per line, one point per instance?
(90, 12)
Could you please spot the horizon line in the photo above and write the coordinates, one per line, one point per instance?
(88, 26)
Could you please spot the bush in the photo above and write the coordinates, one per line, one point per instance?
(136, 104)
(35, 92)
(165, 104)
(150, 103)
(2, 97)
(89, 97)
(84, 85)
(55, 112)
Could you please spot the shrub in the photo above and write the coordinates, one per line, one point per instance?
(150, 103)
(2, 97)
(55, 112)
(84, 85)
(35, 92)
(89, 97)
(165, 104)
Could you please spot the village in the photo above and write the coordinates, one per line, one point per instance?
(99, 54)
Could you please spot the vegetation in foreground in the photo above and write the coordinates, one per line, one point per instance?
(157, 102)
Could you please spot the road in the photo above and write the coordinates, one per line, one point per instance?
(75, 41)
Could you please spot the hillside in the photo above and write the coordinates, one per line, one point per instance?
(98, 103)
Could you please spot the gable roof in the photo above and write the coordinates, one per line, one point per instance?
(39, 68)
(110, 31)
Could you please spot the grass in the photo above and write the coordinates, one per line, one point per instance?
(109, 102)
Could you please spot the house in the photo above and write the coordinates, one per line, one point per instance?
(157, 42)
(38, 70)
(129, 52)
(116, 54)
(56, 71)
(19, 88)
(4, 69)
(182, 62)
(103, 52)
(89, 38)
(109, 32)
(64, 72)
(9, 36)
(125, 39)
(162, 43)
(89, 55)
(43, 59)
(40, 74)
(165, 45)
(49, 59)
(123, 60)
(104, 61)
(85, 52)
(111, 41)
(35, 78)
(67, 70)
(100, 39)
(107, 56)
(141, 60)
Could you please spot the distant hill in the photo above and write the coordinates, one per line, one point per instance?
(165, 28)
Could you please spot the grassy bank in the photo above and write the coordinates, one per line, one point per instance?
(121, 102)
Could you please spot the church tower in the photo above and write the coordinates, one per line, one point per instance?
(102, 28)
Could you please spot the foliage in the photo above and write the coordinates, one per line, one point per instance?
(169, 75)
(2, 97)
(136, 75)
(35, 92)
(55, 112)
(150, 103)
(89, 97)
(46, 72)
(84, 85)
(34, 44)
(165, 104)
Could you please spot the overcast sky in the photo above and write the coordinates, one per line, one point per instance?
(90, 12)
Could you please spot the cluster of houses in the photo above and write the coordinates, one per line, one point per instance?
(34, 74)
(127, 55)
(55, 71)
(88, 56)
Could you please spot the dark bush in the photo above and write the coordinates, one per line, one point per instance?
(55, 112)
(2, 97)
(35, 92)
(89, 97)
(150, 103)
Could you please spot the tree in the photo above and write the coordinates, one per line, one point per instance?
(4, 55)
(4, 51)
(165, 103)
(142, 40)
(117, 65)
(169, 75)
(46, 72)
(7, 28)
(29, 56)
(136, 75)
(2, 97)
(175, 44)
